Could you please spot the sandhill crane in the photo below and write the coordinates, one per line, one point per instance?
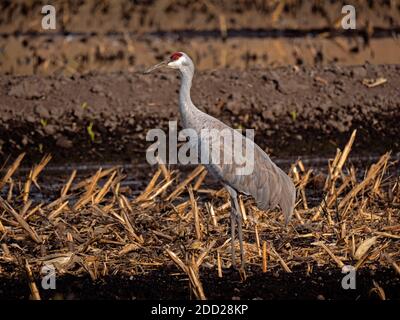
(267, 183)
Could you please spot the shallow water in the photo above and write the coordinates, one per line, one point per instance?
(137, 174)
(318, 163)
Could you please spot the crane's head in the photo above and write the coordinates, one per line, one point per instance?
(178, 60)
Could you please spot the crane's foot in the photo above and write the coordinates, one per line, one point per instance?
(233, 262)
(241, 268)
(242, 265)
(242, 273)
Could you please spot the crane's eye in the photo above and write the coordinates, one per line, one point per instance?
(175, 56)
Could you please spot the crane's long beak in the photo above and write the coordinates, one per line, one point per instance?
(159, 65)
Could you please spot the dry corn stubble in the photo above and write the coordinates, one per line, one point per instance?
(110, 232)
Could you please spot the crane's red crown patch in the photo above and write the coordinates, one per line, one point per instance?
(176, 56)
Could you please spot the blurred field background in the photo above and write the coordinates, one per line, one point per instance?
(104, 35)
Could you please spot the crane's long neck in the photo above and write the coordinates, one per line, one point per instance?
(186, 107)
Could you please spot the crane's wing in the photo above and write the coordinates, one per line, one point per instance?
(267, 183)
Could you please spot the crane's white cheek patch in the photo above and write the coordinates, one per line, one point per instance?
(175, 64)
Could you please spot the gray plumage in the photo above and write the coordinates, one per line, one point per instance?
(267, 183)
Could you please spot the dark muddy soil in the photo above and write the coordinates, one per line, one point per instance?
(166, 284)
(294, 111)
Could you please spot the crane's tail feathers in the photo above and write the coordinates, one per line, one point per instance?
(279, 191)
(286, 196)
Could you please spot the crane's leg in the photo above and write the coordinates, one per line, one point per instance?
(236, 218)
(240, 231)
(233, 227)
